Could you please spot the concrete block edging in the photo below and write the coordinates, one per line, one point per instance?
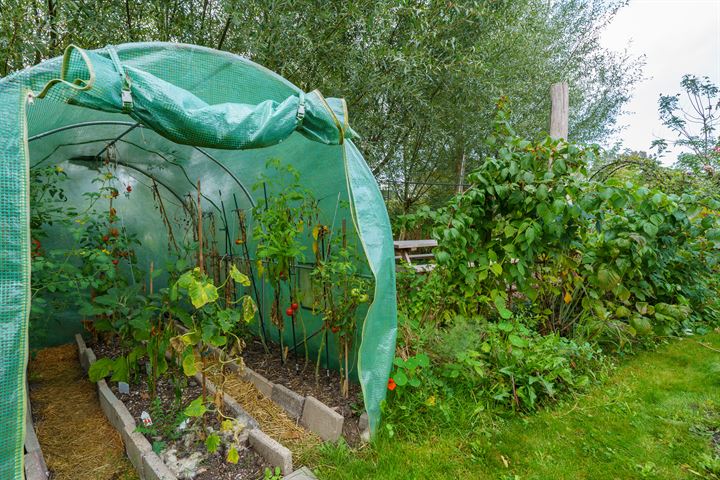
(147, 463)
(321, 419)
(35, 466)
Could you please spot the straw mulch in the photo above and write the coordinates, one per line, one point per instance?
(272, 418)
(77, 441)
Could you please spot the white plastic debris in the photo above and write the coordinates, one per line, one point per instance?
(185, 468)
(124, 388)
(145, 417)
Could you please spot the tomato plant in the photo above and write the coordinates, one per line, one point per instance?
(341, 289)
(280, 222)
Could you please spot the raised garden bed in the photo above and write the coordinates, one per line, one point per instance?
(328, 414)
(313, 401)
(255, 449)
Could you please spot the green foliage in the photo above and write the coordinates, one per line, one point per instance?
(212, 442)
(658, 408)
(280, 222)
(232, 456)
(196, 408)
(138, 322)
(165, 423)
(120, 368)
(515, 366)
(506, 365)
(281, 219)
(408, 372)
(62, 278)
(420, 77)
(272, 474)
(586, 256)
(517, 217)
(55, 280)
(341, 288)
(210, 323)
(541, 271)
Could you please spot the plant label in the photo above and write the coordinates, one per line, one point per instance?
(124, 388)
(145, 417)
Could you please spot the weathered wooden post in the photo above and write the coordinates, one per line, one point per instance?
(461, 175)
(560, 110)
(559, 113)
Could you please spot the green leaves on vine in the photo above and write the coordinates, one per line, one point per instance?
(239, 277)
(196, 408)
(200, 289)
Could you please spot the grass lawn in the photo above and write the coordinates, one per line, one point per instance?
(654, 417)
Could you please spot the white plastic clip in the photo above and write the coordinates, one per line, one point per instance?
(301, 112)
(301, 109)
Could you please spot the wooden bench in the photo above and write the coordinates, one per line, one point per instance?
(407, 251)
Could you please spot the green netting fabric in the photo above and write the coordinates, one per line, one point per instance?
(183, 113)
(180, 116)
(14, 279)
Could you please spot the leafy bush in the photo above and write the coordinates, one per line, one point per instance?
(515, 366)
(504, 364)
(541, 271)
(589, 259)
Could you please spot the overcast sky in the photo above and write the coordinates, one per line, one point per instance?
(676, 37)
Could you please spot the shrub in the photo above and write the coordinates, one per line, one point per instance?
(591, 260)
(541, 271)
(517, 367)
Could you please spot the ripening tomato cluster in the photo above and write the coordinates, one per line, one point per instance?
(110, 237)
(290, 311)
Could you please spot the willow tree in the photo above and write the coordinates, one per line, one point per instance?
(421, 77)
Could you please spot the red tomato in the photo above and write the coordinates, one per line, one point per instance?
(129, 188)
(295, 306)
(289, 312)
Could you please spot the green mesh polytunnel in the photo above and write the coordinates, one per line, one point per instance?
(174, 114)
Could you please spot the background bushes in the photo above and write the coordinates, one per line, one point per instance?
(543, 271)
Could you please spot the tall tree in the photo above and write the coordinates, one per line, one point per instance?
(694, 118)
(421, 77)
